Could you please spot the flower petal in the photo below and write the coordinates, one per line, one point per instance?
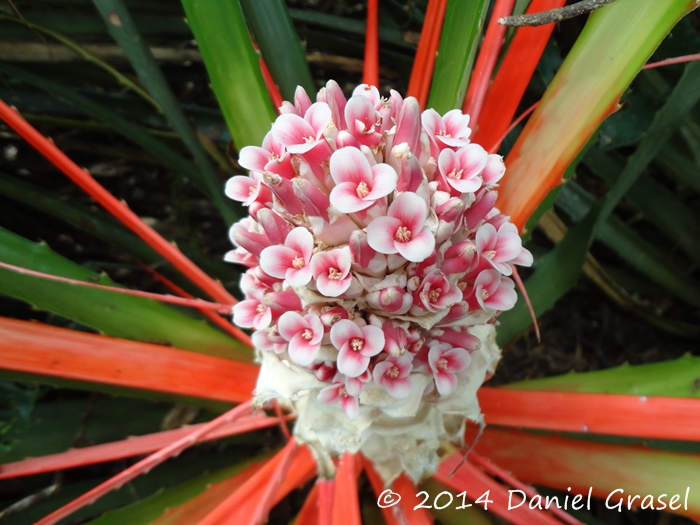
(301, 351)
(458, 359)
(398, 387)
(301, 240)
(275, 260)
(300, 277)
(290, 324)
(330, 394)
(352, 363)
(410, 209)
(374, 340)
(343, 331)
(291, 129)
(253, 158)
(332, 287)
(419, 248)
(244, 313)
(445, 383)
(384, 179)
(318, 116)
(351, 406)
(344, 198)
(380, 234)
(486, 238)
(350, 165)
(239, 188)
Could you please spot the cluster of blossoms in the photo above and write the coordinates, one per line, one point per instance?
(377, 262)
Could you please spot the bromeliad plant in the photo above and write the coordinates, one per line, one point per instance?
(378, 265)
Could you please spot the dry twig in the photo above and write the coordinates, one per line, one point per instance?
(554, 15)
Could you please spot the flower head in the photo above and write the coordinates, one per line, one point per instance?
(377, 266)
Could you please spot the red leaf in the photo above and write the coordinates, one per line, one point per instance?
(133, 446)
(486, 61)
(403, 512)
(371, 69)
(42, 349)
(240, 507)
(513, 76)
(614, 414)
(346, 502)
(424, 62)
(195, 509)
(564, 463)
(472, 480)
(309, 513)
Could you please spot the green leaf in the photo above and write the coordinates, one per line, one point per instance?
(170, 506)
(666, 211)
(343, 24)
(680, 102)
(677, 378)
(273, 31)
(683, 168)
(631, 246)
(626, 126)
(16, 404)
(85, 25)
(112, 313)
(55, 424)
(234, 68)
(136, 134)
(556, 273)
(85, 54)
(124, 31)
(217, 407)
(461, 33)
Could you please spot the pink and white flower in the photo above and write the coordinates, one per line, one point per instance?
(356, 345)
(494, 170)
(363, 121)
(449, 131)
(337, 393)
(436, 292)
(460, 169)
(403, 229)
(300, 135)
(302, 103)
(304, 334)
(331, 270)
(292, 260)
(248, 189)
(358, 185)
(492, 290)
(393, 300)
(445, 363)
(356, 385)
(500, 247)
(253, 312)
(393, 375)
(272, 157)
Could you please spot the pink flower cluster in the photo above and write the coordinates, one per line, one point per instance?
(372, 242)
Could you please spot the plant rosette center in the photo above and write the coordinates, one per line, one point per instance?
(377, 267)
